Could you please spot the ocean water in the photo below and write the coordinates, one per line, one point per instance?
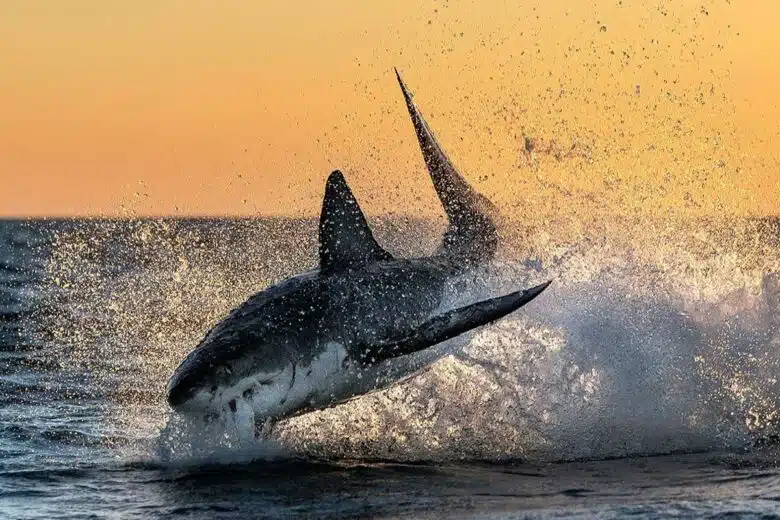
(643, 383)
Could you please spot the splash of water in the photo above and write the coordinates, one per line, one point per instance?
(655, 337)
(225, 439)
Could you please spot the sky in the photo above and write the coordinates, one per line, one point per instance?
(193, 107)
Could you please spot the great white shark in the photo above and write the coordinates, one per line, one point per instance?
(347, 327)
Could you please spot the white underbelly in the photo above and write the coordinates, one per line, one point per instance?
(303, 386)
(353, 380)
(327, 379)
(316, 383)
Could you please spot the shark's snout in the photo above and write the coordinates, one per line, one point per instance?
(188, 390)
(178, 392)
(177, 395)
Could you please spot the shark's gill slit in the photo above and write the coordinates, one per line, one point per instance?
(292, 379)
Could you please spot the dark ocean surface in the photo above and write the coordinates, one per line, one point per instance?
(643, 383)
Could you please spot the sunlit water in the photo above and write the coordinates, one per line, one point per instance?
(643, 382)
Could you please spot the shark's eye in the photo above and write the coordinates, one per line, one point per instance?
(232, 405)
(248, 393)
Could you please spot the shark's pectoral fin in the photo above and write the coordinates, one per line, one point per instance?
(450, 324)
(345, 238)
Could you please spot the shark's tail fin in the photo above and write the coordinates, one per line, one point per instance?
(472, 233)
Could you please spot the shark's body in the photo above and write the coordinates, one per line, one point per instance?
(325, 336)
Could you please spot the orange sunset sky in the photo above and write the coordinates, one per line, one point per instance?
(193, 107)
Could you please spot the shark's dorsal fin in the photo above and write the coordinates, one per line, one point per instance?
(346, 240)
(472, 232)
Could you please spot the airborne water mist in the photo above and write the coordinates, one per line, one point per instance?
(648, 342)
